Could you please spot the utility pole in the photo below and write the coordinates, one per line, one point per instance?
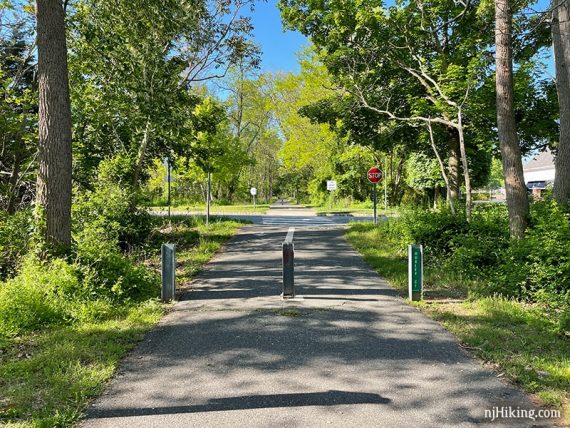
(208, 198)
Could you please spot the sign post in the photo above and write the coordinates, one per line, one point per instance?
(374, 176)
(253, 192)
(168, 256)
(208, 198)
(169, 179)
(415, 272)
(331, 187)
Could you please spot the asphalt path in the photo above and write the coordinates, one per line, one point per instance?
(283, 215)
(346, 352)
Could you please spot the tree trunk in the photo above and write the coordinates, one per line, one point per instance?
(561, 44)
(435, 193)
(441, 169)
(516, 192)
(453, 166)
(13, 184)
(141, 155)
(54, 123)
(466, 176)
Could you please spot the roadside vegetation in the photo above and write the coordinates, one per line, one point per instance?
(214, 208)
(65, 324)
(508, 301)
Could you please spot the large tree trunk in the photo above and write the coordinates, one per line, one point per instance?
(54, 154)
(516, 192)
(561, 44)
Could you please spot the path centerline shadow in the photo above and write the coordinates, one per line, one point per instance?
(328, 398)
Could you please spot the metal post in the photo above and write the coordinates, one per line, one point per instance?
(168, 254)
(168, 179)
(289, 266)
(385, 186)
(288, 270)
(374, 191)
(208, 197)
(415, 272)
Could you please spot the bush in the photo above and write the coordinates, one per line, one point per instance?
(434, 230)
(41, 295)
(113, 209)
(106, 272)
(15, 233)
(537, 268)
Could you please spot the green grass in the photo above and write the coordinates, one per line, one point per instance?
(218, 209)
(520, 340)
(195, 242)
(393, 266)
(390, 212)
(293, 313)
(48, 377)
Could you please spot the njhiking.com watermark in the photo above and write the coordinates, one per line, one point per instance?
(508, 412)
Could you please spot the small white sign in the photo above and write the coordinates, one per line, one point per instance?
(253, 191)
(331, 185)
(166, 165)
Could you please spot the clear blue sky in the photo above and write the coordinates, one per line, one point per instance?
(279, 48)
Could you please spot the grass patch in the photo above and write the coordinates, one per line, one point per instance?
(523, 341)
(48, 376)
(393, 266)
(288, 312)
(520, 339)
(327, 210)
(217, 209)
(195, 242)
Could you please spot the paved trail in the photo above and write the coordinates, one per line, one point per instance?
(348, 353)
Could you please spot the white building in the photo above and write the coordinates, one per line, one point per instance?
(539, 172)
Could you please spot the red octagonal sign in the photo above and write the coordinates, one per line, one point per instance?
(375, 175)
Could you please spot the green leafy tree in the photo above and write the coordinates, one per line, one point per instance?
(18, 113)
(135, 67)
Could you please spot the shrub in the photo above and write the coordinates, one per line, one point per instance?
(39, 296)
(15, 232)
(106, 272)
(113, 209)
(537, 267)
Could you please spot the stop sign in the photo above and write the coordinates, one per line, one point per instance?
(375, 175)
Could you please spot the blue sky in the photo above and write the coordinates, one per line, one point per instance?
(279, 47)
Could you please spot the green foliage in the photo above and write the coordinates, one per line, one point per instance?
(18, 110)
(15, 232)
(112, 208)
(422, 172)
(38, 297)
(535, 268)
(106, 272)
(538, 266)
(61, 339)
(59, 292)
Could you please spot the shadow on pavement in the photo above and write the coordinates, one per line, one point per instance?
(329, 398)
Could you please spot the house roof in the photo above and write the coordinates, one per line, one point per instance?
(543, 160)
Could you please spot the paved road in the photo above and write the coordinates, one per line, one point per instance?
(286, 215)
(347, 353)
